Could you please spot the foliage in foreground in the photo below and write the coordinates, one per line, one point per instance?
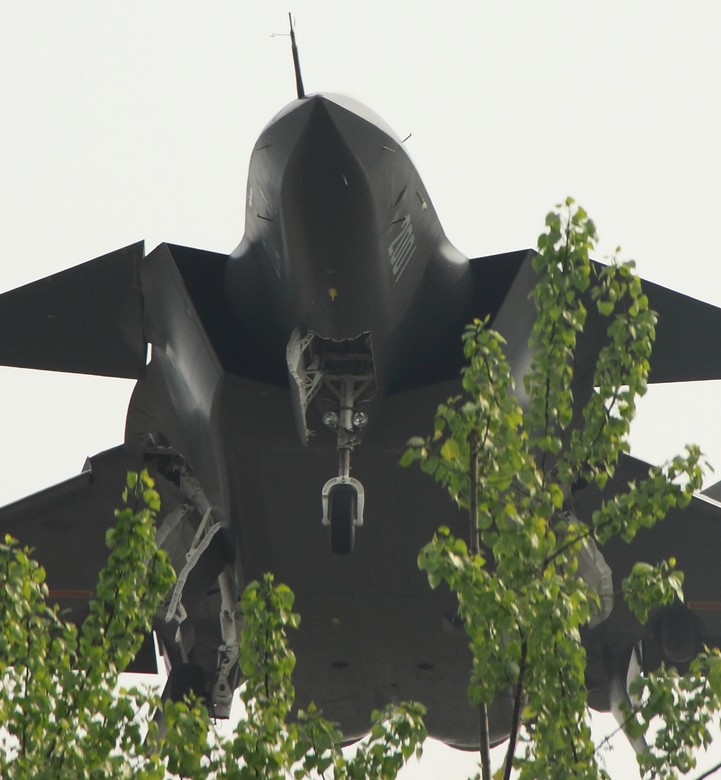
(63, 718)
(514, 467)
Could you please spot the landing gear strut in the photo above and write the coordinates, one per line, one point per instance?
(191, 535)
(343, 497)
(341, 374)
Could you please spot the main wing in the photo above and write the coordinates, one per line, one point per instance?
(65, 528)
(692, 536)
(688, 333)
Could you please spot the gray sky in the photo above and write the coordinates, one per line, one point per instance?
(135, 120)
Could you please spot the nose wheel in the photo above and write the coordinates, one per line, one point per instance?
(343, 499)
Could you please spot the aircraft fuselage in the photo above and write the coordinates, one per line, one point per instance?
(344, 279)
(343, 239)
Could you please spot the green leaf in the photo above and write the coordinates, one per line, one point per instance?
(415, 441)
(450, 450)
(407, 458)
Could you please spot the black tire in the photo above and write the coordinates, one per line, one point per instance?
(342, 507)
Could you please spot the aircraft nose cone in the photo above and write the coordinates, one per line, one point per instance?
(353, 121)
(329, 223)
(327, 123)
(319, 120)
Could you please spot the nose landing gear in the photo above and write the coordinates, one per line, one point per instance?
(339, 375)
(343, 497)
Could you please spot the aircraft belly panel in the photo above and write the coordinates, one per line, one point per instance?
(372, 631)
(359, 653)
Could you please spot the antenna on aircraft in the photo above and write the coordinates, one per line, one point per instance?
(296, 60)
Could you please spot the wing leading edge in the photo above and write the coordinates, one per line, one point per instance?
(688, 334)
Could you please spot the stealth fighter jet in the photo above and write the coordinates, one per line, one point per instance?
(277, 386)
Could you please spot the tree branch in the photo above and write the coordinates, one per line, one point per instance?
(516, 721)
(709, 772)
(474, 541)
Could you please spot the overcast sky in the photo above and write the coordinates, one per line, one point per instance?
(135, 120)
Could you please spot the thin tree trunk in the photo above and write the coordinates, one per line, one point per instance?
(517, 711)
(485, 743)
(474, 542)
(474, 546)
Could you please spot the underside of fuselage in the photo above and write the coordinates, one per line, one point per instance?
(372, 631)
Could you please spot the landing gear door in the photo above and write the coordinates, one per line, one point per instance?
(306, 375)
